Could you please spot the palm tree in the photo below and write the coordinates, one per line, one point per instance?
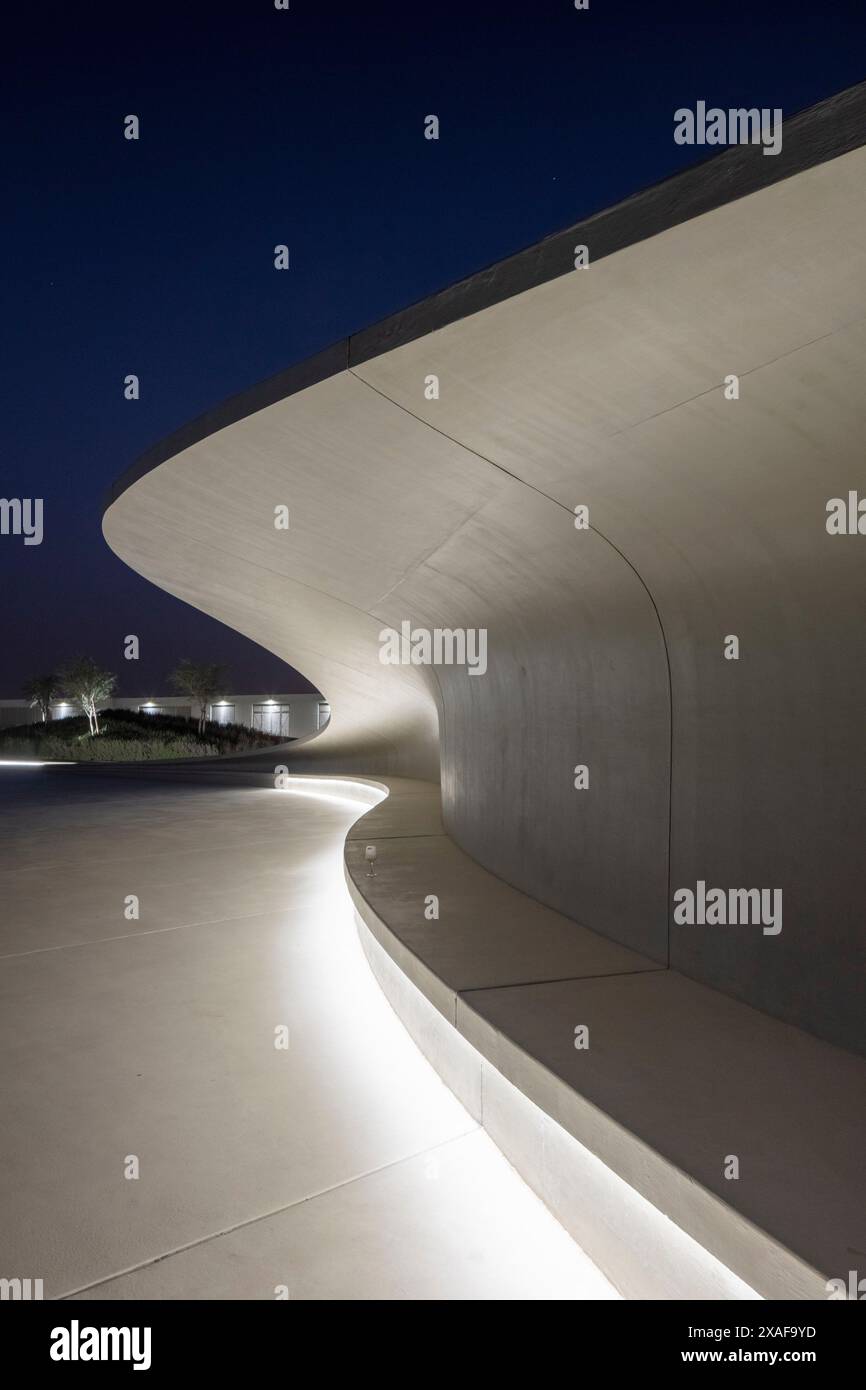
(39, 691)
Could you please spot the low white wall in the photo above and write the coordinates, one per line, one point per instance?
(306, 712)
(635, 1245)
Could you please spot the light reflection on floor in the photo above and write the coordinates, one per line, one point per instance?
(338, 1168)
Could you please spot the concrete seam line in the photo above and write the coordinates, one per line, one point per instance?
(472, 1128)
(539, 492)
(135, 935)
(563, 979)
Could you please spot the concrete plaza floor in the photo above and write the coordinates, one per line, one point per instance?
(338, 1167)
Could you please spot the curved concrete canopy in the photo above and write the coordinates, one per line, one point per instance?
(601, 387)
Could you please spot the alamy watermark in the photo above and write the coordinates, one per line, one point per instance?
(77, 1343)
(22, 516)
(731, 907)
(846, 516)
(438, 646)
(20, 1290)
(737, 126)
(854, 1289)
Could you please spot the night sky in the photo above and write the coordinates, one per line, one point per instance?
(260, 127)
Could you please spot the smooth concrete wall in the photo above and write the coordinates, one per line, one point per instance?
(606, 388)
(602, 387)
(576, 671)
(576, 675)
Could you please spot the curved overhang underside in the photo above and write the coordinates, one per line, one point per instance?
(601, 387)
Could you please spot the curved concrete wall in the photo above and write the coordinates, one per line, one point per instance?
(601, 387)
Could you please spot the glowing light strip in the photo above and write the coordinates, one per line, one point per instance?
(29, 762)
(616, 1222)
(319, 789)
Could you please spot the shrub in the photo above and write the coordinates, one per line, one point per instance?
(128, 736)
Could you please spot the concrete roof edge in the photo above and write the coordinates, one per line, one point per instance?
(813, 136)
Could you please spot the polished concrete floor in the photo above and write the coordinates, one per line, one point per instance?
(338, 1167)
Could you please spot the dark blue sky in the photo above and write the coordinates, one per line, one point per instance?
(306, 127)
